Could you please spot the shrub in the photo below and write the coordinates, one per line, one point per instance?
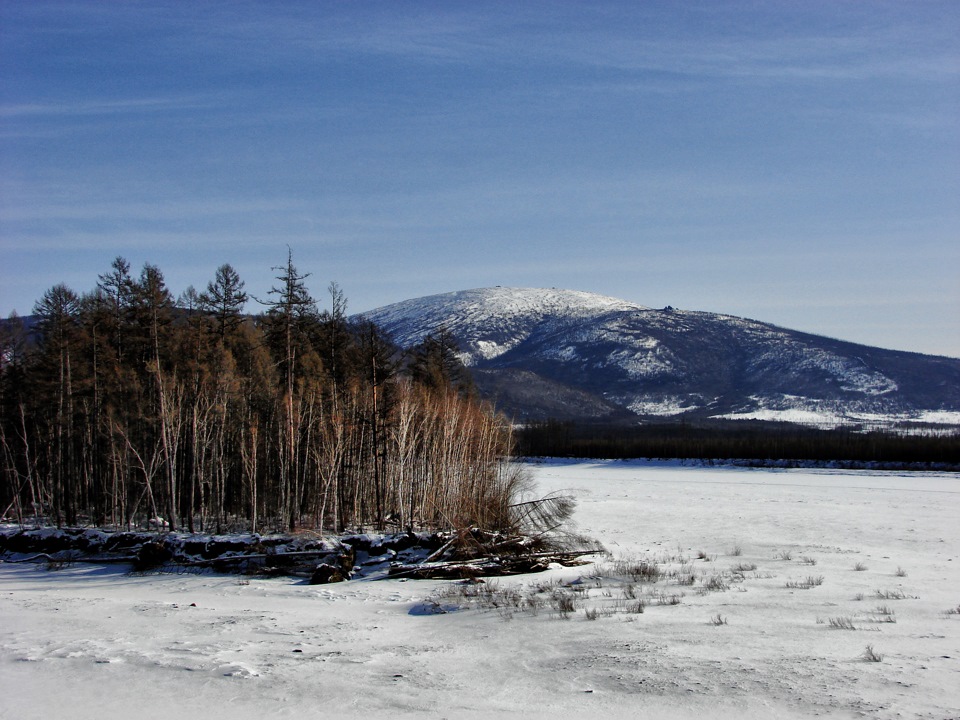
(871, 655)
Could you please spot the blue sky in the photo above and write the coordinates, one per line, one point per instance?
(797, 163)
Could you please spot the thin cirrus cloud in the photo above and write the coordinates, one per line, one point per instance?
(128, 106)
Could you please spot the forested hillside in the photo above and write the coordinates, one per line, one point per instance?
(125, 406)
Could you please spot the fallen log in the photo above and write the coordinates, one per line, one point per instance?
(490, 565)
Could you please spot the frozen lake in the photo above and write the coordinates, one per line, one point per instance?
(93, 642)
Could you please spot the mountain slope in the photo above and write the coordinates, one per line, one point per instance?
(557, 353)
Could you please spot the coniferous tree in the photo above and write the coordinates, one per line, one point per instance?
(291, 315)
(435, 363)
(117, 284)
(224, 299)
(57, 312)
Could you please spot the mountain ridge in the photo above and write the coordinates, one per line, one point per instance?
(544, 352)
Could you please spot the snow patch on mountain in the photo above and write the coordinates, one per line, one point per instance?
(664, 406)
(487, 349)
(798, 416)
(942, 417)
(494, 319)
(641, 365)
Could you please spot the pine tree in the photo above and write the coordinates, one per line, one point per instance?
(435, 363)
(57, 313)
(118, 286)
(224, 299)
(290, 316)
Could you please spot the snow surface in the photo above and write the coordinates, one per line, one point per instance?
(95, 642)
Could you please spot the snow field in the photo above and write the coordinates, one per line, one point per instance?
(89, 641)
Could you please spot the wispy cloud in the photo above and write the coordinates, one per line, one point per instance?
(126, 106)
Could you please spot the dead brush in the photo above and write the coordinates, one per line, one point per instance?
(637, 570)
(564, 603)
(811, 581)
(841, 623)
(896, 594)
(55, 564)
(669, 598)
(715, 583)
(884, 614)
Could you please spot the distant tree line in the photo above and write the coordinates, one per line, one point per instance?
(124, 406)
(737, 440)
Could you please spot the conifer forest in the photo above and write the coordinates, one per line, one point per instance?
(128, 407)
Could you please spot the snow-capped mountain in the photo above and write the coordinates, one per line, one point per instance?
(565, 354)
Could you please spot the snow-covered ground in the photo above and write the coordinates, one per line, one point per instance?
(95, 642)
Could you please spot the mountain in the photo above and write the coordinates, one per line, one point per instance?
(547, 353)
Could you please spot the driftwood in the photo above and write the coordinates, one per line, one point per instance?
(490, 565)
(450, 554)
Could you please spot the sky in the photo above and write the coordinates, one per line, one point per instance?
(795, 163)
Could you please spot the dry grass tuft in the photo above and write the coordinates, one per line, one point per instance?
(842, 623)
(808, 582)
